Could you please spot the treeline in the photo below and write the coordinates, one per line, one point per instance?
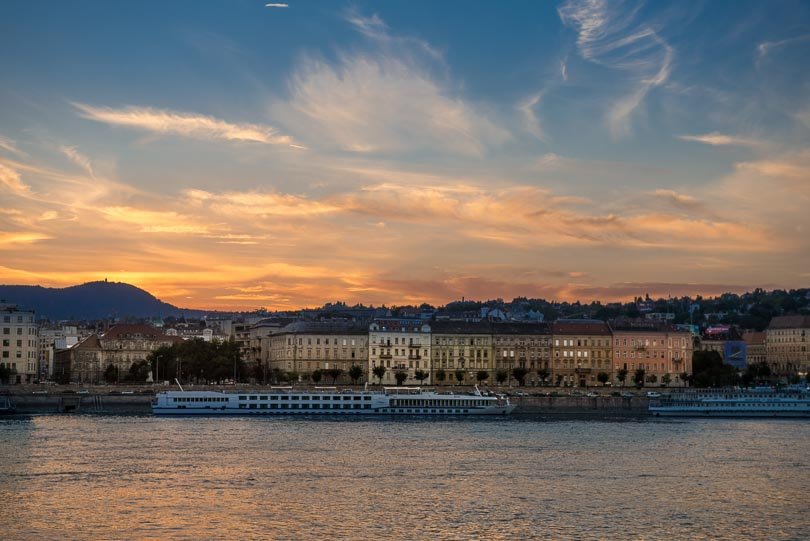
(708, 370)
(198, 361)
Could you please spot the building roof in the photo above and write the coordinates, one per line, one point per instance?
(641, 325)
(754, 338)
(128, 331)
(790, 322)
(91, 342)
(323, 327)
(581, 326)
(460, 327)
(513, 327)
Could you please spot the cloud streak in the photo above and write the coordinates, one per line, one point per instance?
(719, 139)
(161, 121)
(608, 35)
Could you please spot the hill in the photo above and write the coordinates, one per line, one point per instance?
(91, 301)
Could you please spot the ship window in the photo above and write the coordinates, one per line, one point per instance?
(295, 406)
(254, 397)
(263, 397)
(366, 398)
(304, 398)
(263, 406)
(304, 406)
(253, 406)
(366, 406)
(273, 406)
(285, 397)
(241, 406)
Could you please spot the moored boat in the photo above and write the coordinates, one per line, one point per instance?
(329, 401)
(7, 406)
(756, 402)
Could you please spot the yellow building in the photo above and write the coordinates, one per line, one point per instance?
(462, 346)
(523, 345)
(582, 349)
(786, 345)
(304, 347)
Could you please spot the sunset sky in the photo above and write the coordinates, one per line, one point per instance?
(230, 155)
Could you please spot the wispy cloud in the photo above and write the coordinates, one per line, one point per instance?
(531, 122)
(764, 48)
(10, 179)
(21, 237)
(192, 125)
(10, 146)
(373, 27)
(608, 34)
(383, 103)
(279, 5)
(720, 139)
(78, 158)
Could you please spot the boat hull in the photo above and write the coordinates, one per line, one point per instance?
(386, 412)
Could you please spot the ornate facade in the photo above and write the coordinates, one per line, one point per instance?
(400, 345)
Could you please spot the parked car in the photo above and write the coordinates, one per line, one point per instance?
(653, 394)
(592, 394)
(627, 394)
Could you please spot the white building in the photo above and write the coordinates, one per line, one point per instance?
(400, 345)
(20, 343)
(50, 341)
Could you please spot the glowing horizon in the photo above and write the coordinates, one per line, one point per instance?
(246, 157)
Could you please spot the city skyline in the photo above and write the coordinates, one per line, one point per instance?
(233, 155)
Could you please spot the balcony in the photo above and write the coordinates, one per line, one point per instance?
(641, 347)
(386, 356)
(414, 357)
(417, 346)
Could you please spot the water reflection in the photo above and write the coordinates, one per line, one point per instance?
(141, 477)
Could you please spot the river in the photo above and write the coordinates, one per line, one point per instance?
(139, 477)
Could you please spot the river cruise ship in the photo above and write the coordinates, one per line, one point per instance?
(329, 401)
(756, 402)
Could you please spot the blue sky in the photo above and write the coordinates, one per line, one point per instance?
(229, 154)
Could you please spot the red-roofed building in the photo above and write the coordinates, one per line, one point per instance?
(120, 346)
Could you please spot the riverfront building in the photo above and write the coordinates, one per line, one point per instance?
(663, 352)
(524, 345)
(786, 343)
(304, 347)
(20, 343)
(121, 346)
(463, 347)
(582, 349)
(755, 349)
(400, 345)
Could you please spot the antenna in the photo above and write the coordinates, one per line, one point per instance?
(178, 384)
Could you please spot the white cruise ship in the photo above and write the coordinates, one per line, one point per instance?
(757, 402)
(328, 401)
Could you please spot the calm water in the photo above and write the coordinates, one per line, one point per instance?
(86, 477)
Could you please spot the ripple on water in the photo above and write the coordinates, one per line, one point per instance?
(79, 477)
